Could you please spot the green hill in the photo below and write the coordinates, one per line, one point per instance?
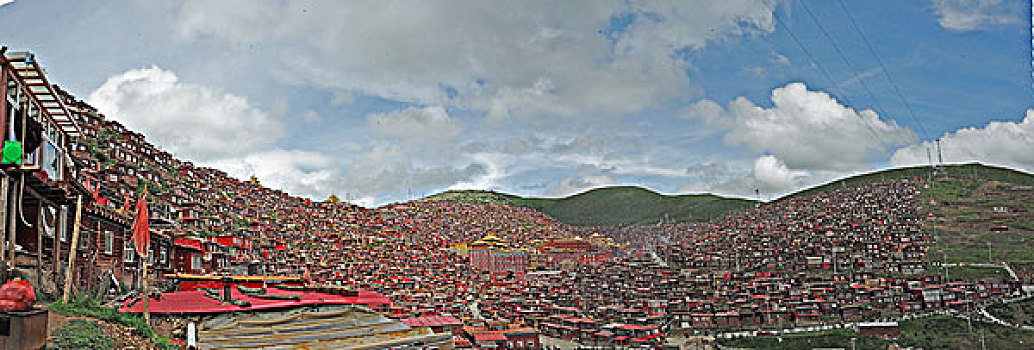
(613, 206)
(970, 171)
(629, 205)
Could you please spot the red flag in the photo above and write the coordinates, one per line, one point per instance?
(141, 228)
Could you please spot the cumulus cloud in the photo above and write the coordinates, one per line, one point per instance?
(509, 59)
(999, 142)
(213, 128)
(772, 173)
(301, 173)
(967, 15)
(189, 120)
(805, 138)
(5, 2)
(535, 65)
(805, 129)
(767, 174)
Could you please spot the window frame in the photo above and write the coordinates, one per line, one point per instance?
(109, 242)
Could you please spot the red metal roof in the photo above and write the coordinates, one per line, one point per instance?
(489, 337)
(637, 327)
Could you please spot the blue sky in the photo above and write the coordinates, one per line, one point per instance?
(380, 102)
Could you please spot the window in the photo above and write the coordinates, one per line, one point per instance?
(63, 229)
(84, 239)
(109, 242)
(195, 262)
(49, 220)
(128, 251)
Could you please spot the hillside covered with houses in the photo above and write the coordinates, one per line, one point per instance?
(488, 274)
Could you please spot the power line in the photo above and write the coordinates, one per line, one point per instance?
(843, 57)
(836, 89)
(883, 68)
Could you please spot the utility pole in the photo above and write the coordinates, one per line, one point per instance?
(983, 345)
(969, 317)
(940, 154)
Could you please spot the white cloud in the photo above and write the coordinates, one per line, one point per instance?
(5, 2)
(869, 73)
(395, 177)
(805, 129)
(518, 64)
(772, 173)
(805, 138)
(214, 128)
(710, 112)
(189, 120)
(300, 173)
(576, 184)
(510, 58)
(413, 124)
(779, 59)
(967, 15)
(711, 171)
(767, 174)
(998, 142)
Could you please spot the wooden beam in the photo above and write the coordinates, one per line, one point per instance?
(12, 215)
(70, 271)
(4, 192)
(39, 244)
(57, 246)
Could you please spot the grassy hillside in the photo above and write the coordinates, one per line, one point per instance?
(939, 332)
(981, 215)
(628, 205)
(972, 171)
(613, 206)
(966, 201)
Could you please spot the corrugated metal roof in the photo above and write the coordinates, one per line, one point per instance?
(336, 327)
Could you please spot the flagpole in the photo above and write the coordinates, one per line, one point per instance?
(142, 245)
(146, 295)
